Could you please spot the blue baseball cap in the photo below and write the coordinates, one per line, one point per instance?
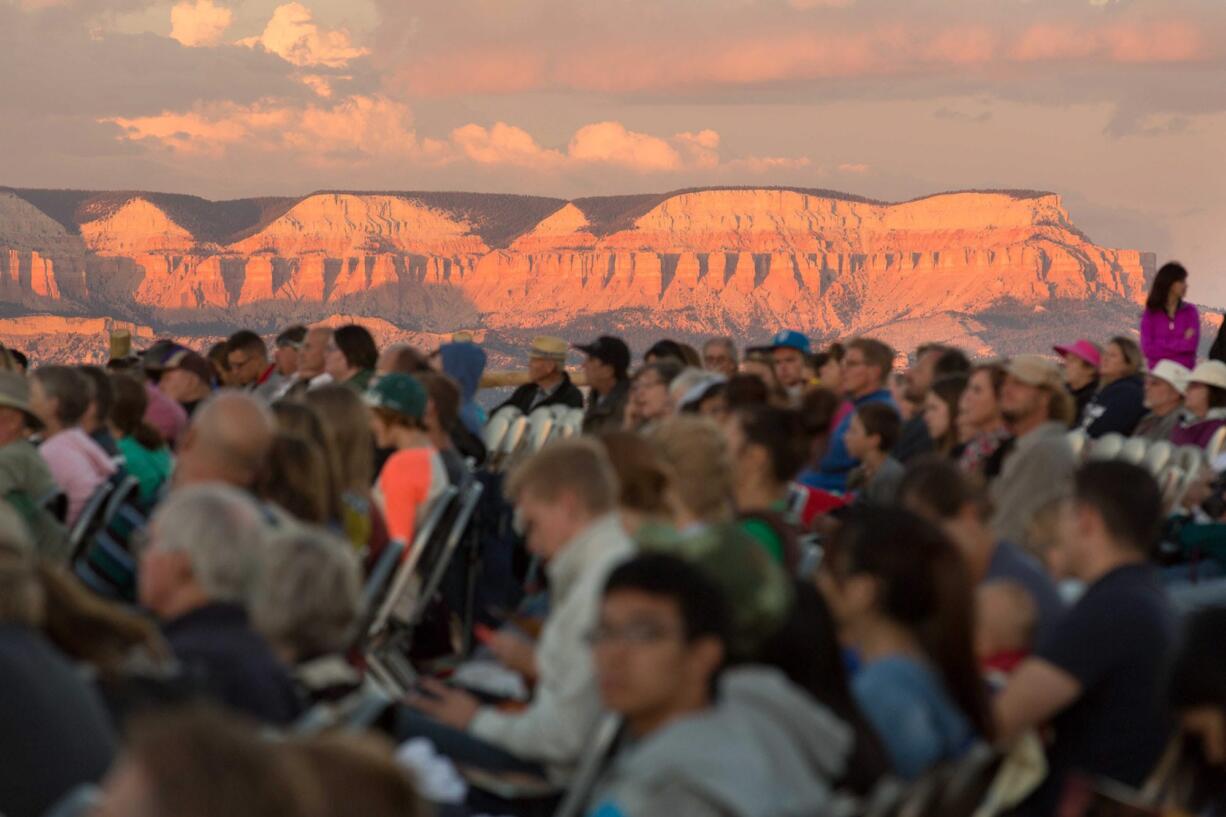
(791, 339)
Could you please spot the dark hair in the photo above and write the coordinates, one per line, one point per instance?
(938, 485)
(71, 390)
(666, 368)
(781, 432)
(746, 390)
(807, 649)
(1127, 498)
(303, 419)
(444, 393)
(20, 359)
(641, 476)
(951, 362)
(293, 336)
(924, 586)
(1217, 396)
(1170, 274)
(875, 353)
(1198, 676)
(704, 610)
(995, 372)
(407, 360)
(357, 345)
(295, 477)
(880, 419)
(246, 341)
(949, 390)
(665, 349)
(217, 356)
(818, 407)
(128, 413)
(103, 396)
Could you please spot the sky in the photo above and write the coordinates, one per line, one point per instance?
(1119, 106)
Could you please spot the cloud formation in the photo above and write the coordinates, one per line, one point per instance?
(199, 23)
(293, 35)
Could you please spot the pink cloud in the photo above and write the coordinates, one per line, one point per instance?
(503, 144)
(294, 36)
(199, 23)
(611, 143)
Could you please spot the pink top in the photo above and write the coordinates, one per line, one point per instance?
(1166, 338)
(78, 465)
(164, 414)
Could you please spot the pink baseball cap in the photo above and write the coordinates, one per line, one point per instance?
(1084, 349)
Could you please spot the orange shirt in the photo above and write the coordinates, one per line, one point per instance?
(410, 478)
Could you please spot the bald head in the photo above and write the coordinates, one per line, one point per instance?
(228, 441)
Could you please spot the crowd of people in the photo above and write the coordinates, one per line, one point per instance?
(775, 580)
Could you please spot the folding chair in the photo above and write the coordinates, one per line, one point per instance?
(1159, 455)
(89, 520)
(56, 504)
(466, 504)
(591, 763)
(376, 586)
(1107, 447)
(1134, 450)
(1216, 445)
(540, 427)
(1079, 441)
(124, 491)
(400, 597)
(356, 711)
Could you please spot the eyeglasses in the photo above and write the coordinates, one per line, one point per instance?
(640, 634)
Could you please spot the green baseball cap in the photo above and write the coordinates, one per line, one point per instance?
(401, 393)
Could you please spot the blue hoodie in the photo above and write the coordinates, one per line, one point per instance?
(835, 467)
(464, 363)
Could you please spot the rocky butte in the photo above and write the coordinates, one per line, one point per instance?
(995, 271)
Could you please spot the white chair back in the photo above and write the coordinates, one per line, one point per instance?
(1158, 456)
(1107, 447)
(1133, 450)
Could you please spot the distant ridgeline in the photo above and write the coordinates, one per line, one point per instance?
(993, 271)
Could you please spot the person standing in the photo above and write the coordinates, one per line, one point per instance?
(1170, 327)
(548, 383)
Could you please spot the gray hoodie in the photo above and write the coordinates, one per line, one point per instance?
(766, 749)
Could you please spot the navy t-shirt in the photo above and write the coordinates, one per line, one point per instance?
(1117, 642)
(1011, 563)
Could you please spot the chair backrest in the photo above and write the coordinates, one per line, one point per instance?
(1134, 450)
(1216, 445)
(497, 427)
(1190, 458)
(1107, 447)
(357, 710)
(1159, 456)
(55, 503)
(125, 490)
(514, 436)
(466, 504)
(377, 581)
(1171, 482)
(540, 426)
(970, 781)
(400, 597)
(90, 518)
(1079, 441)
(591, 763)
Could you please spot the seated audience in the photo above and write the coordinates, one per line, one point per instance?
(719, 355)
(828, 364)
(981, 426)
(228, 441)
(294, 479)
(26, 484)
(902, 598)
(938, 491)
(768, 447)
(300, 418)
(871, 435)
(287, 348)
(1119, 404)
(201, 763)
(696, 454)
(606, 367)
(642, 478)
(789, 354)
(306, 604)
(1080, 362)
(145, 455)
(1205, 405)
(57, 734)
(1006, 620)
(933, 362)
(414, 475)
(96, 421)
(350, 357)
(941, 414)
(194, 575)
(166, 415)
(312, 363)
(759, 366)
(347, 426)
(59, 396)
(1165, 388)
(548, 383)
(465, 363)
(401, 358)
(566, 497)
(866, 371)
(250, 369)
(187, 379)
(650, 399)
(442, 423)
(1040, 462)
(701, 738)
(1096, 679)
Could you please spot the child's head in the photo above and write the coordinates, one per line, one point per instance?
(873, 427)
(1006, 617)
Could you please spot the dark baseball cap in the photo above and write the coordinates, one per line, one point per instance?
(610, 350)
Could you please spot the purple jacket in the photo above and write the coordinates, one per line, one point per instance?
(1166, 339)
(1199, 432)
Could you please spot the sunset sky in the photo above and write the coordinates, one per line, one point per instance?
(1118, 105)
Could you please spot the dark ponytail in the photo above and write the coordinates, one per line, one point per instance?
(925, 587)
(128, 412)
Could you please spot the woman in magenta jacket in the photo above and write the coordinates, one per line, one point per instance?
(1170, 327)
